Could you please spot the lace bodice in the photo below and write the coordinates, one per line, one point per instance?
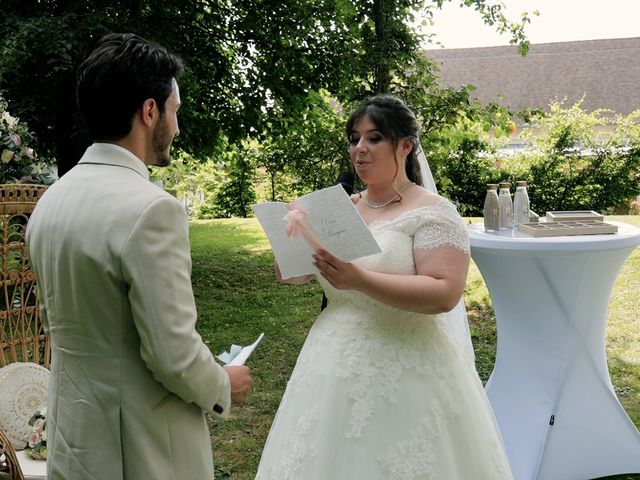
(430, 227)
(424, 228)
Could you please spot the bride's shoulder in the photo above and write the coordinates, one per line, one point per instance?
(427, 198)
(431, 207)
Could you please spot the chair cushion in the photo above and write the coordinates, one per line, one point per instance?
(23, 391)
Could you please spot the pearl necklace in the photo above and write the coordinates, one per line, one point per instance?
(390, 201)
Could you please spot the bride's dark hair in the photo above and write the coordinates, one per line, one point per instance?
(395, 121)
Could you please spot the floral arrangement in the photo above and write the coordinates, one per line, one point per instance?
(18, 162)
(37, 439)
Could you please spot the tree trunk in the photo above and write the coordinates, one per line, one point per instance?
(382, 77)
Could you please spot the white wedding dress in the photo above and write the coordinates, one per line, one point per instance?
(382, 393)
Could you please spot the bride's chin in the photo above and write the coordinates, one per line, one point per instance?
(362, 173)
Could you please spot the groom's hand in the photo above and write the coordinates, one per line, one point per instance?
(241, 381)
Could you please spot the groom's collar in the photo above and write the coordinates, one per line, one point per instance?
(111, 154)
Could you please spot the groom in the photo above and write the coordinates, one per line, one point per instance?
(131, 380)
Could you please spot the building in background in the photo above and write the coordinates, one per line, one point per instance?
(605, 72)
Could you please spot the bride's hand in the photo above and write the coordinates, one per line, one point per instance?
(341, 275)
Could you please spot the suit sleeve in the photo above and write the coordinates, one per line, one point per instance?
(157, 267)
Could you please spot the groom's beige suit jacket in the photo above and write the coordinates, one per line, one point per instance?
(131, 379)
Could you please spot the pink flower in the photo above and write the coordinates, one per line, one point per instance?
(15, 138)
(38, 425)
(34, 439)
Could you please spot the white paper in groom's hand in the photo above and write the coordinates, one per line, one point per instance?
(238, 355)
(334, 220)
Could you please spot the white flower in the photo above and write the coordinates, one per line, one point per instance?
(7, 155)
(23, 165)
(11, 121)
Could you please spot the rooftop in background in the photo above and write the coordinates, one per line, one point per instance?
(605, 72)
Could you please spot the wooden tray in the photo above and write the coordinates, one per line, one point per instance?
(556, 229)
(573, 215)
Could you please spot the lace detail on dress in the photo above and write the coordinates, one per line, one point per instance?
(444, 228)
(369, 380)
(373, 371)
(373, 353)
(297, 449)
(499, 460)
(414, 457)
(431, 227)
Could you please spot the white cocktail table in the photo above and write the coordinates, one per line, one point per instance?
(550, 388)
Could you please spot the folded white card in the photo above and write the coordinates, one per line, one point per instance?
(332, 219)
(238, 355)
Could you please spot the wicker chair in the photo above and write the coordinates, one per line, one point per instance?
(9, 465)
(22, 337)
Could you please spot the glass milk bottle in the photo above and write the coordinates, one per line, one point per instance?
(491, 208)
(506, 205)
(521, 203)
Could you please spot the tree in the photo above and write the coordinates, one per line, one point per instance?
(388, 47)
(37, 65)
(254, 69)
(385, 58)
(573, 167)
(306, 153)
(236, 195)
(246, 62)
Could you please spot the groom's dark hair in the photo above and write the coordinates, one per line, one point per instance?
(118, 76)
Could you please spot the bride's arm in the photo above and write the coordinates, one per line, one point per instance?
(292, 280)
(437, 286)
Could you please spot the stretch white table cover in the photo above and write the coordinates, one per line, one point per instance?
(550, 388)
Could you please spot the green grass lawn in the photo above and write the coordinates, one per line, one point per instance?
(238, 298)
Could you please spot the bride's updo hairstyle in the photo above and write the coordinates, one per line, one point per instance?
(395, 121)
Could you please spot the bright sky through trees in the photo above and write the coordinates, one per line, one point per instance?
(559, 21)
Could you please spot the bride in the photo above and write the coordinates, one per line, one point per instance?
(383, 387)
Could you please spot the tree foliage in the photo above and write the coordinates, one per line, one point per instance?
(236, 195)
(583, 160)
(246, 61)
(493, 14)
(282, 73)
(306, 154)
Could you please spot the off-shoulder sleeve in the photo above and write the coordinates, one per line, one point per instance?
(441, 225)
